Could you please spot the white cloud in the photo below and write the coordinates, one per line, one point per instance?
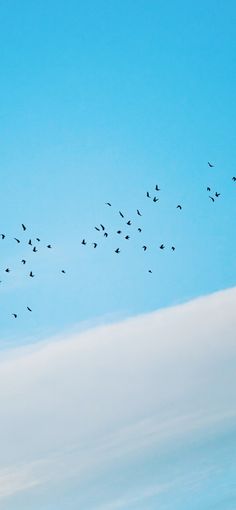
(69, 406)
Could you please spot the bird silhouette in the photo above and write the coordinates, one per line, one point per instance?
(234, 179)
(108, 203)
(127, 237)
(98, 229)
(14, 315)
(217, 194)
(34, 249)
(30, 242)
(83, 242)
(129, 222)
(117, 250)
(179, 207)
(139, 213)
(103, 228)
(7, 270)
(95, 245)
(23, 261)
(23, 226)
(139, 229)
(162, 247)
(149, 271)
(28, 308)
(155, 199)
(105, 234)
(49, 246)
(17, 240)
(208, 189)
(37, 239)
(31, 274)
(173, 248)
(157, 188)
(148, 194)
(118, 232)
(120, 213)
(213, 200)
(63, 271)
(3, 236)
(144, 248)
(210, 165)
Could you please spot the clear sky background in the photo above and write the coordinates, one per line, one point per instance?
(100, 101)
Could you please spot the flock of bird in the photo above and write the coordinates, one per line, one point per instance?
(101, 228)
(155, 198)
(24, 261)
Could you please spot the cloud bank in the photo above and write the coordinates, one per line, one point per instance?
(78, 412)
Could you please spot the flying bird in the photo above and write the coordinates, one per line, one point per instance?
(30, 242)
(28, 308)
(179, 207)
(17, 240)
(49, 246)
(210, 165)
(117, 250)
(34, 249)
(139, 213)
(162, 247)
(118, 232)
(63, 271)
(103, 228)
(129, 222)
(120, 213)
(234, 179)
(127, 237)
(37, 239)
(139, 229)
(157, 188)
(83, 242)
(31, 274)
(155, 199)
(98, 229)
(108, 203)
(148, 194)
(208, 189)
(217, 194)
(7, 270)
(14, 315)
(173, 248)
(23, 261)
(23, 226)
(95, 245)
(144, 248)
(149, 271)
(3, 236)
(213, 200)
(105, 234)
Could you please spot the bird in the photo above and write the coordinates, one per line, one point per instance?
(34, 249)
(139, 213)
(173, 248)
(30, 242)
(157, 188)
(208, 188)
(3, 236)
(95, 245)
(103, 228)
(7, 270)
(14, 315)
(155, 199)
(23, 261)
(49, 246)
(23, 226)
(108, 203)
(162, 247)
(28, 308)
(213, 200)
(139, 229)
(234, 179)
(117, 250)
(120, 213)
(217, 194)
(105, 234)
(210, 165)
(63, 271)
(148, 194)
(144, 248)
(31, 274)
(17, 240)
(37, 239)
(83, 242)
(98, 229)
(127, 237)
(149, 271)
(179, 207)
(129, 222)
(118, 231)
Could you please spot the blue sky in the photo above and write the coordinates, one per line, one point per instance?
(101, 101)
